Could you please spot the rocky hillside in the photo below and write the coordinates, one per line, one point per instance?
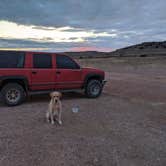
(142, 50)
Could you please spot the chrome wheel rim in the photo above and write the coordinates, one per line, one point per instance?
(95, 89)
(13, 95)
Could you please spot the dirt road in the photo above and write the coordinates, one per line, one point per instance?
(126, 126)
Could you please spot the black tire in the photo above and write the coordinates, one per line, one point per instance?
(13, 94)
(93, 88)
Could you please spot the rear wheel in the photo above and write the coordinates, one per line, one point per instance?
(93, 88)
(13, 94)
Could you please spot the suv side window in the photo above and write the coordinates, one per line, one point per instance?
(42, 61)
(64, 62)
(12, 59)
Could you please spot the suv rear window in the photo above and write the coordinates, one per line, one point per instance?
(64, 62)
(11, 59)
(42, 61)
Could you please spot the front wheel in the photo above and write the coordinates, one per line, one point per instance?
(93, 88)
(13, 94)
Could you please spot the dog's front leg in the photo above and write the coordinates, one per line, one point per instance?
(48, 116)
(52, 118)
(59, 116)
(50, 113)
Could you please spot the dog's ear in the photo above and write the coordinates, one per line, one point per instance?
(60, 94)
(51, 94)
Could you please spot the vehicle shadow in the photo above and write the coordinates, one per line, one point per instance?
(46, 97)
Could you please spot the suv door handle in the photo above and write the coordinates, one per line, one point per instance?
(34, 72)
(58, 72)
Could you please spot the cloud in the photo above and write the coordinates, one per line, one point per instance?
(33, 45)
(11, 30)
(129, 21)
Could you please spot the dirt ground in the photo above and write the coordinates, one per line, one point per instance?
(126, 126)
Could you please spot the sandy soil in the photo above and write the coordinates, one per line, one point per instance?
(126, 126)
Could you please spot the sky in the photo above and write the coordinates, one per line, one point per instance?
(80, 25)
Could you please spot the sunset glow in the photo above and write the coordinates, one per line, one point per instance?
(89, 48)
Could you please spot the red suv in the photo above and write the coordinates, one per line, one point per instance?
(24, 73)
